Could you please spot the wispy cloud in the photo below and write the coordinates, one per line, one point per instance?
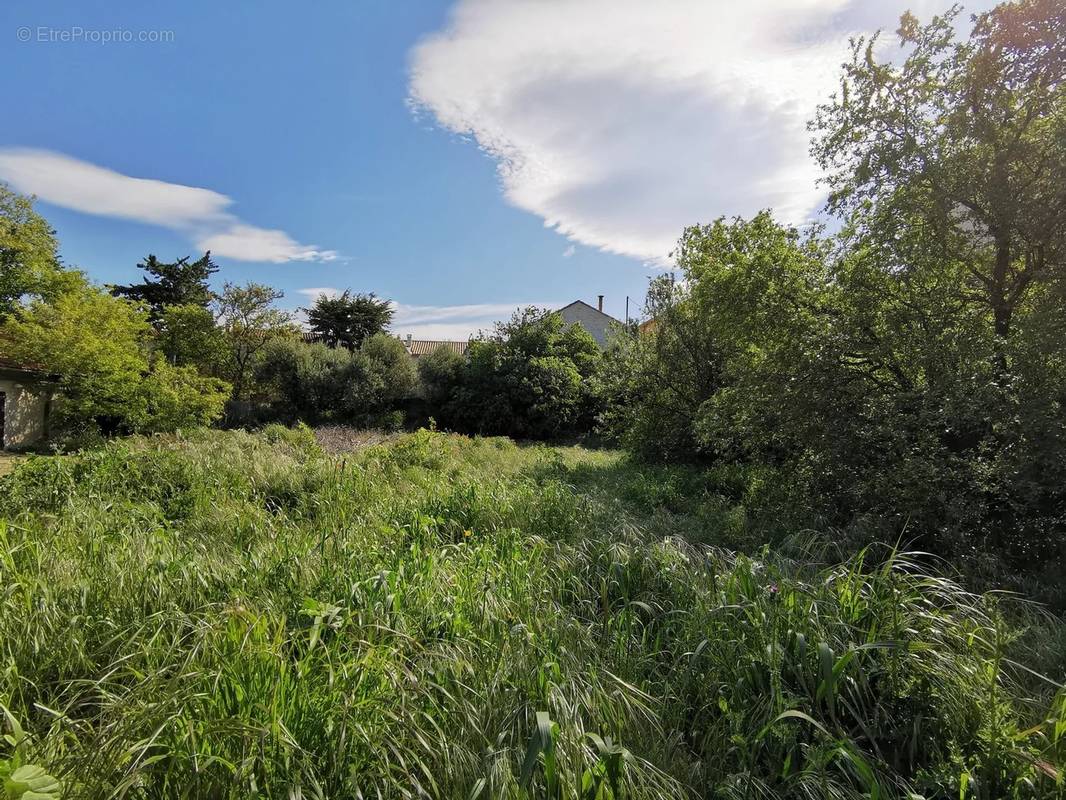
(202, 214)
(457, 322)
(248, 243)
(568, 252)
(314, 293)
(619, 122)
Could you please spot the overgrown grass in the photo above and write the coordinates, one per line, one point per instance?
(231, 615)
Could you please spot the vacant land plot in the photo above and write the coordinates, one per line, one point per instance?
(232, 615)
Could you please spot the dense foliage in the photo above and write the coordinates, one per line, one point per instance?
(179, 283)
(533, 377)
(100, 347)
(317, 383)
(347, 320)
(230, 614)
(29, 253)
(904, 376)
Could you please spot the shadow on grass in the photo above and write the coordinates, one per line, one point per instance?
(707, 505)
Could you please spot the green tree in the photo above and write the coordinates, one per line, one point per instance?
(963, 141)
(179, 397)
(29, 260)
(383, 376)
(305, 382)
(349, 319)
(531, 378)
(99, 347)
(189, 336)
(178, 283)
(440, 373)
(249, 321)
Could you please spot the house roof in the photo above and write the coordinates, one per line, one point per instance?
(590, 308)
(422, 347)
(22, 369)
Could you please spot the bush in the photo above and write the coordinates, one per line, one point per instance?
(381, 376)
(304, 381)
(179, 397)
(440, 373)
(533, 378)
(315, 383)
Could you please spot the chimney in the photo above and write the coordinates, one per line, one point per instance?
(408, 341)
(599, 303)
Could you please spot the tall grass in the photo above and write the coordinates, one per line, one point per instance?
(232, 615)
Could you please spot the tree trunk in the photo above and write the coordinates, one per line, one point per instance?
(1002, 310)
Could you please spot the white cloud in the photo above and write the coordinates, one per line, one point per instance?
(248, 243)
(202, 214)
(568, 252)
(621, 121)
(453, 322)
(68, 182)
(314, 293)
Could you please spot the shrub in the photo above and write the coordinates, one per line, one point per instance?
(304, 381)
(533, 378)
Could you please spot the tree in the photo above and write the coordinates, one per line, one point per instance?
(531, 378)
(383, 376)
(178, 283)
(179, 397)
(29, 260)
(655, 384)
(314, 383)
(189, 336)
(249, 321)
(440, 372)
(99, 346)
(964, 142)
(305, 382)
(349, 319)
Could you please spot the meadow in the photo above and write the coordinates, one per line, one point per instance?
(224, 614)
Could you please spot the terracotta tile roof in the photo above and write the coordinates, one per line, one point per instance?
(422, 347)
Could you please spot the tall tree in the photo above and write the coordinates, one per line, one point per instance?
(964, 141)
(349, 319)
(29, 261)
(249, 321)
(178, 283)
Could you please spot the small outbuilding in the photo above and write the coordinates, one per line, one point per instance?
(25, 403)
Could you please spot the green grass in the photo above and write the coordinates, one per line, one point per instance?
(230, 615)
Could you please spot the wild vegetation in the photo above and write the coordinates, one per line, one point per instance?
(904, 374)
(234, 615)
(196, 613)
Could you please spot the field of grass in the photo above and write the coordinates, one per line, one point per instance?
(230, 615)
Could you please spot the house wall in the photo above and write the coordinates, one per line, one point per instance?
(25, 413)
(590, 319)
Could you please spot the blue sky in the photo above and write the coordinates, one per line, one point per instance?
(458, 157)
